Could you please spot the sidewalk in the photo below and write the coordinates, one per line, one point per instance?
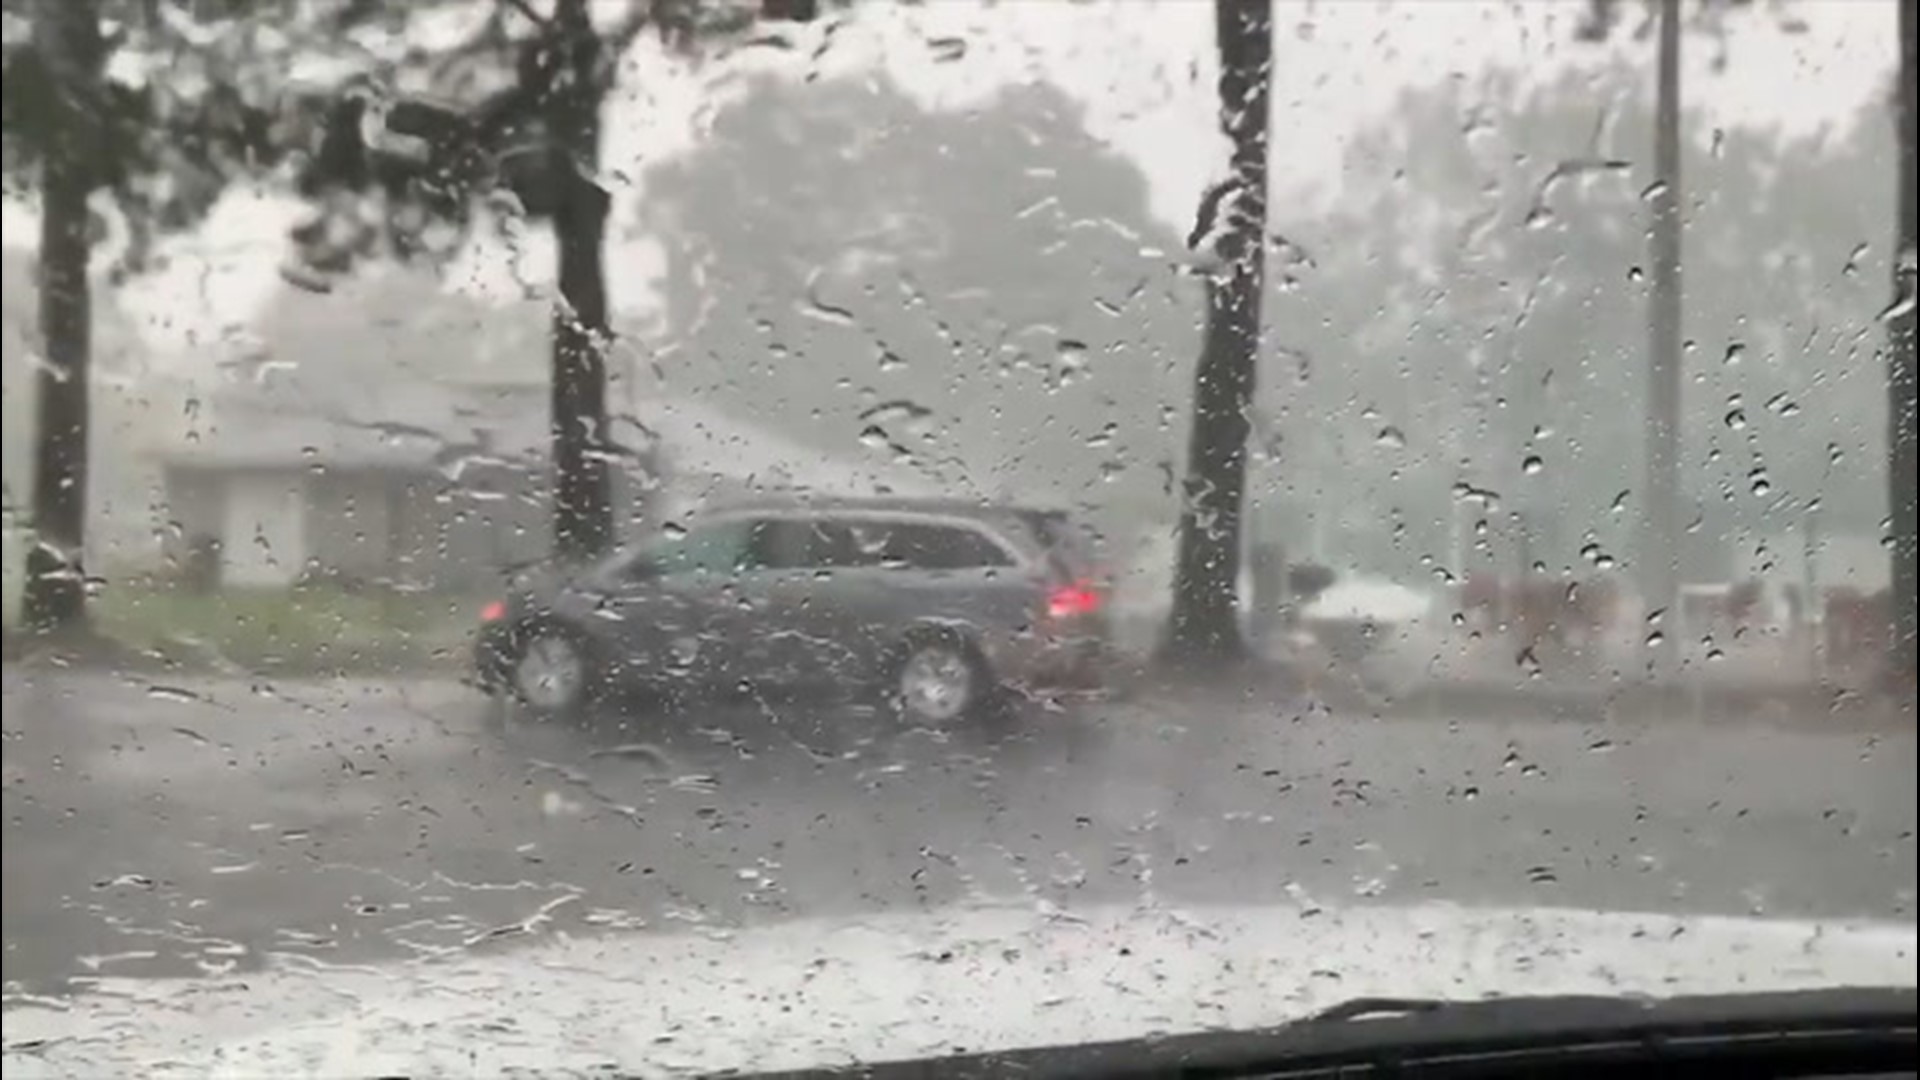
(1487, 683)
(1766, 682)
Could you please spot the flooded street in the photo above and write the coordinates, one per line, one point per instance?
(345, 822)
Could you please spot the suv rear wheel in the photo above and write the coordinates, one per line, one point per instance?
(551, 672)
(940, 679)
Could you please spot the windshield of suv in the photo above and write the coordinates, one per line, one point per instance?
(1265, 502)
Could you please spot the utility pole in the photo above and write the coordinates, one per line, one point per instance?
(1659, 554)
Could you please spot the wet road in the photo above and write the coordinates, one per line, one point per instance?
(205, 826)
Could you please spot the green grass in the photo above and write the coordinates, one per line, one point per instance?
(306, 628)
(309, 628)
(13, 567)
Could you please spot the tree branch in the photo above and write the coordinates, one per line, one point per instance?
(616, 42)
(532, 16)
(492, 35)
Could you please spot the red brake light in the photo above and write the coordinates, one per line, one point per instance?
(1068, 601)
(494, 611)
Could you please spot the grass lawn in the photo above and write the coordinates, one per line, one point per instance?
(307, 628)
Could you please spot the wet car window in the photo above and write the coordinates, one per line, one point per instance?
(669, 537)
(810, 544)
(908, 545)
(718, 548)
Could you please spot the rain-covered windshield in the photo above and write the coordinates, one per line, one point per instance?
(1296, 500)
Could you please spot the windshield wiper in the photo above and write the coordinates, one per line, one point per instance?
(1829, 1033)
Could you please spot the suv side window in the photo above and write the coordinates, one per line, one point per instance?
(804, 544)
(918, 546)
(723, 547)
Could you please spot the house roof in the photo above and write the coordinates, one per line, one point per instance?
(290, 420)
(694, 440)
(392, 371)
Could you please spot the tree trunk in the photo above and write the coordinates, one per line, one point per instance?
(1659, 547)
(1900, 373)
(66, 35)
(582, 488)
(1203, 627)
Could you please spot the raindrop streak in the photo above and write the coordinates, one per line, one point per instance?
(900, 409)
(947, 49)
(174, 694)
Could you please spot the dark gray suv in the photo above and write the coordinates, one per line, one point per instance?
(935, 605)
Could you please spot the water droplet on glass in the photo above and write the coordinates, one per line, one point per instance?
(1762, 486)
(1636, 275)
(1392, 438)
(1533, 464)
(172, 693)
(1736, 352)
(1737, 419)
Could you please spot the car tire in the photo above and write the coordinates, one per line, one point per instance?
(940, 678)
(553, 672)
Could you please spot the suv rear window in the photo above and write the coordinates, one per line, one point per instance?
(1067, 549)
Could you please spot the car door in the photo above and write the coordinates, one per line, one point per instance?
(765, 616)
(673, 606)
(910, 571)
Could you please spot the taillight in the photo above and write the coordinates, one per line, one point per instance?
(1069, 601)
(494, 611)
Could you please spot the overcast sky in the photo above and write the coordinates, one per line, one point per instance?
(1143, 69)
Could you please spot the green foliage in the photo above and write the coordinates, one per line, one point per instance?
(190, 98)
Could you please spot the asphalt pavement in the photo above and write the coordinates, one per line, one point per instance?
(196, 826)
